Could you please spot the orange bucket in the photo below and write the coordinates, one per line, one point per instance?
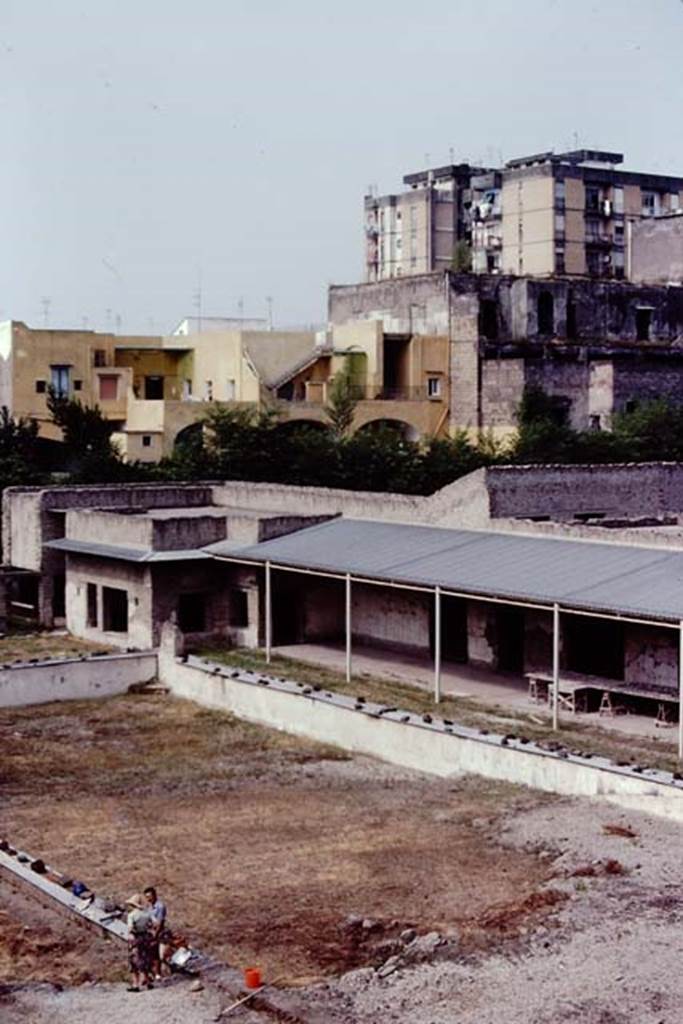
(252, 977)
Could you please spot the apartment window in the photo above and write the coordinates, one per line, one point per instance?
(154, 388)
(60, 380)
(187, 388)
(593, 265)
(643, 324)
(618, 262)
(651, 204)
(618, 195)
(91, 602)
(99, 357)
(559, 261)
(109, 383)
(592, 198)
(208, 391)
(41, 387)
(413, 218)
(239, 607)
(146, 440)
(78, 385)
(674, 202)
(230, 389)
(559, 224)
(434, 387)
(560, 192)
(592, 230)
(545, 309)
(114, 610)
(192, 613)
(619, 234)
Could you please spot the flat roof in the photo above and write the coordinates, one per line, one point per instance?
(615, 579)
(124, 554)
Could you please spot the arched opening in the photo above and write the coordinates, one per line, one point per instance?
(404, 431)
(546, 313)
(189, 437)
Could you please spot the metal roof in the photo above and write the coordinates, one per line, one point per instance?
(614, 578)
(117, 551)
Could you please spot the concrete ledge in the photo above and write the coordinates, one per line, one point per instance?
(104, 675)
(422, 742)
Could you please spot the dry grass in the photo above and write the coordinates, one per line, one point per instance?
(261, 843)
(464, 710)
(24, 646)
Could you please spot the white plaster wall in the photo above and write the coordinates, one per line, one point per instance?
(74, 678)
(416, 745)
(394, 618)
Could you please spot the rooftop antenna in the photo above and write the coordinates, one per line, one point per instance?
(576, 140)
(269, 303)
(197, 300)
(451, 155)
(46, 302)
(117, 323)
(107, 317)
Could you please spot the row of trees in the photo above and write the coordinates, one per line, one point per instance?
(245, 443)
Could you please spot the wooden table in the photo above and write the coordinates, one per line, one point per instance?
(573, 684)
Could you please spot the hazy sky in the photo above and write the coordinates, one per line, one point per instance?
(146, 143)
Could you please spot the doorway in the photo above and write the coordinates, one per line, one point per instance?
(286, 609)
(510, 632)
(453, 629)
(154, 388)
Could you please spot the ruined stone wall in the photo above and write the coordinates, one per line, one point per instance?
(651, 656)
(135, 579)
(394, 619)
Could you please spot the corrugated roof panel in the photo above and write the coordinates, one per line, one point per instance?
(623, 579)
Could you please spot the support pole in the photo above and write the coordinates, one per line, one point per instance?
(269, 615)
(437, 645)
(348, 627)
(556, 665)
(680, 691)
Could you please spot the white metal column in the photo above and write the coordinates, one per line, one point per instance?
(556, 665)
(437, 645)
(680, 691)
(348, 627)
(268, 614)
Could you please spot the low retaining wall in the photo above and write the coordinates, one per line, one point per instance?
(424, 743)
(74, 678)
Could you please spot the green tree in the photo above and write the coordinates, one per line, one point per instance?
(91, 454)
(342, 400)
(461, 262)
(19, 450)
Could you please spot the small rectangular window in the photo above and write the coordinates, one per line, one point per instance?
(78, 385)
(230, 389)
(559, 224)
(146, 441)
(239, 607)
(643, 324)
(41, 387)
(434, 387)
(618, 199)
(99, 357)
(115, 610)
(92, 604)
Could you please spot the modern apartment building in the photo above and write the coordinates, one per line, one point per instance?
(541, 215)
(416, 231)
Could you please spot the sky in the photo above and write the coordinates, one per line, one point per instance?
(151, 151)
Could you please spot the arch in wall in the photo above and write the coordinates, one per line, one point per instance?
(189, 435)
(406, 431)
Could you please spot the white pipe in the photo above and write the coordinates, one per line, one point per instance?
(437, 645)
(269, 615)
(556, 665)
(348, 627)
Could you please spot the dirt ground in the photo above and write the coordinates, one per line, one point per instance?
(261, 843)
(274, 851)
(22, 646)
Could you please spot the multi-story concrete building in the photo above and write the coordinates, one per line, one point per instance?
(416, 231)
(566, 213)
(551, 213)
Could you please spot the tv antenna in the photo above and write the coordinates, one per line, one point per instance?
(46, 302)
(269, 303)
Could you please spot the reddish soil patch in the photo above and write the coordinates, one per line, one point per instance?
(261, 844)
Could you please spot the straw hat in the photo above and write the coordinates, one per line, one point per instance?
(138, 901)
